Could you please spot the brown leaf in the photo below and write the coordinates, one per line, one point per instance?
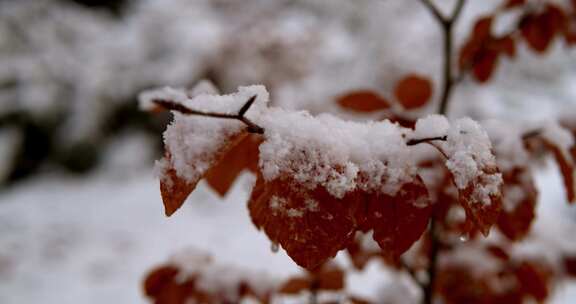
(363, 101)
(515, 221)
(540, 29)
(397, 221)
(485, 63)
(241, 156)
(329, 278)
(567, 168)
(514, 3)
(175, 189)
(482, 214)
(295, 285)
(413, 91)
(310, 224)
(158, 278)
(533, 280)
(505, 45)
(483, 28)
(570, 265)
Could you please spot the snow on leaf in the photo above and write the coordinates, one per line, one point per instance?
(314, 235)
(473, 168)
(196, 143)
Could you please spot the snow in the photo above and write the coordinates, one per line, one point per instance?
(195, 141)
(92, 240)
(339, 155)
(431, 126)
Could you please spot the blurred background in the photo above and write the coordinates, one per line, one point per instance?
(81, 218)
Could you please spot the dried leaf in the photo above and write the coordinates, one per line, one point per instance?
(175, 189)
(483, 214)
(241, 156)
(363, 101)
(514, 3)
(311, 225)
(520, 197)
(483, 28)
(413, 91)
(533, 280)
(397, 221)
(485, 63)
(295, 285)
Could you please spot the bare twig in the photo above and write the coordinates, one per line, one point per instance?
(252, 127)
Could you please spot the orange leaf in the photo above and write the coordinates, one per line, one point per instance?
(241, 156)
(363, 101)
(311, 225)
(413, 91)
(175, 189)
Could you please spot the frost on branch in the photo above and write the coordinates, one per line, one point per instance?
(320, 178)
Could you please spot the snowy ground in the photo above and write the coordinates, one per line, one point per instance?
(91, 240)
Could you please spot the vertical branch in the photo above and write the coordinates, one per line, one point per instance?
(447, 26)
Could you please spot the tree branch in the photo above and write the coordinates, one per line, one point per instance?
(448, 80)
(434, 10)
(252, 127)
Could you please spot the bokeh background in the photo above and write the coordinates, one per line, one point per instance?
(81, 218)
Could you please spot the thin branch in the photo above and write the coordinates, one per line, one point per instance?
(448, 80)
(457, 10)
(434, 10)
(413, 142)
(432, 264)
(252, 127)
